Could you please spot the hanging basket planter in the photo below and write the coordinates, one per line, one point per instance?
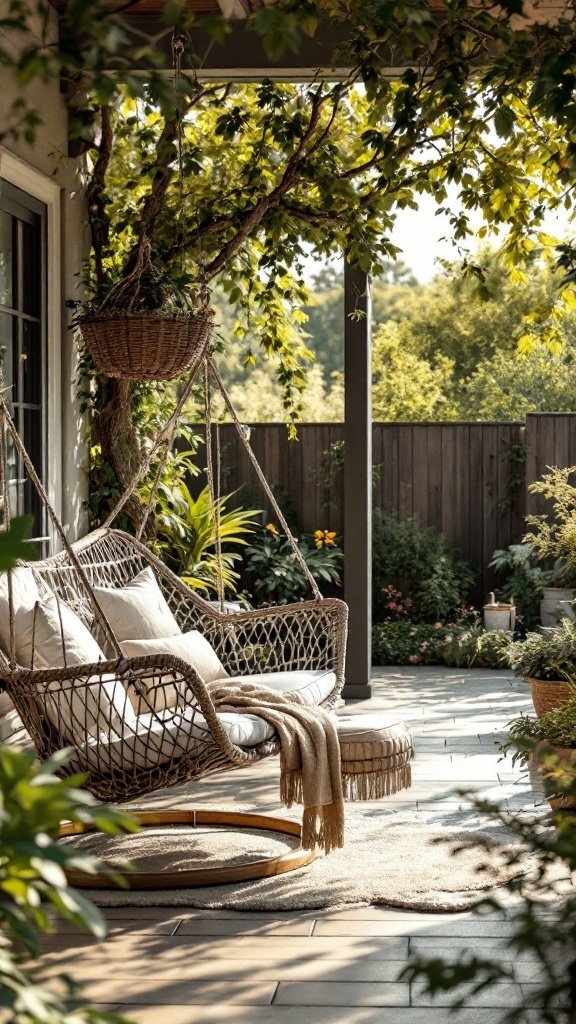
(143, 346)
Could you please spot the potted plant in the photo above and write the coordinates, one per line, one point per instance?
(547, 661)
(145, 327)
(553, 538)
(550, 742)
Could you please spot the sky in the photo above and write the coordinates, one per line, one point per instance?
(419, 234)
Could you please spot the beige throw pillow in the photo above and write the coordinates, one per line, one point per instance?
(191, 647)
(138, 611)
(25, 594)
(60, 637)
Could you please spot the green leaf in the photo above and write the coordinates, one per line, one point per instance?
(13, 544)
(504, 121)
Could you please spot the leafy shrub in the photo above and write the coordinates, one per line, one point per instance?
(553, 534)
(557, 727)
(274, 575)
(407, 643)
(416, 561)
(186, 535)
(548, 654)
(458, 646)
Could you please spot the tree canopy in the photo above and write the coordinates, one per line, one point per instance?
(483, 109)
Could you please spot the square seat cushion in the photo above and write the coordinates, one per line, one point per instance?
(137, 611)
(157, 740)
(165, 737)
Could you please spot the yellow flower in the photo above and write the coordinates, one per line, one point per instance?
(324, 538)
(273, 529)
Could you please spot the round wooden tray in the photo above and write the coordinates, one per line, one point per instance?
(196, 877)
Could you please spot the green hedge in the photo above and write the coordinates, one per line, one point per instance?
(410, 643)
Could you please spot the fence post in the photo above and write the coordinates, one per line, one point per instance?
(358, 483)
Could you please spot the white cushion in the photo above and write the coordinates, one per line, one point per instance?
(60, 637)
(82, 709)
(191, 647)
(150, 743)
(313, 686)
(138, 611)
(25, 594)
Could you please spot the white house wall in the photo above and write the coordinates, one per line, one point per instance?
(45, 171)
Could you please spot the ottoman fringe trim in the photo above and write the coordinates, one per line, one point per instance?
(360, 782)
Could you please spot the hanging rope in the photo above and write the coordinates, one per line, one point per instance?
(8, 425)
(266, 486)
(177, 54)
(214, 498)
(164, 436)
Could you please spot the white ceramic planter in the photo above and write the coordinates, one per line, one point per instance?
(554, 605)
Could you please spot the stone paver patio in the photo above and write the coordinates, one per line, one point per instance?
(322, 967)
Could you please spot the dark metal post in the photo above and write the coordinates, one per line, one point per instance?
(358, 483)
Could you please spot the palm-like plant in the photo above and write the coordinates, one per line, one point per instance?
(186, 534)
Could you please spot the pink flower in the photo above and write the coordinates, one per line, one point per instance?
(414, 659)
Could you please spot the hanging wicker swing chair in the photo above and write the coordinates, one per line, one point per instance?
(114, 714)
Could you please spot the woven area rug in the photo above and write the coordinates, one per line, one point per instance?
(395, 858)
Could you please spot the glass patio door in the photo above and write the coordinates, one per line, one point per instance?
(23, 342)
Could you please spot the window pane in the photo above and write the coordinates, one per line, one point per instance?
(8, 325)
(31, 268)
(31, 363)
(33, 443)
(6, 251)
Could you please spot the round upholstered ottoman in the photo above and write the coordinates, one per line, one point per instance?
(376, 751)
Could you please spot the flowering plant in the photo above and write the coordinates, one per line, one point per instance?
(274, 574)
(395, 606)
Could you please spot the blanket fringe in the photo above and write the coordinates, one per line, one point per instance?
(372, 785)
(290, 786)
(322, 827)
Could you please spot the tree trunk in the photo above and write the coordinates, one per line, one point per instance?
(120, 443)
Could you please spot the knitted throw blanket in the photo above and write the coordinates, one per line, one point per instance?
(309, 756)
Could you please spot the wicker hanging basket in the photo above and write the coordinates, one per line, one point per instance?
(143, 346)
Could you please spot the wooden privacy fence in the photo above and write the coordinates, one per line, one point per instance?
(468, 480)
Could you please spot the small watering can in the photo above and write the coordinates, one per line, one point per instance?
(499, 615)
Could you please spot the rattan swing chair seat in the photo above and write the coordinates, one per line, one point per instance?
(119, 764)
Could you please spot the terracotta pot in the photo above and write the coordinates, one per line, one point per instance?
(548, 694)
